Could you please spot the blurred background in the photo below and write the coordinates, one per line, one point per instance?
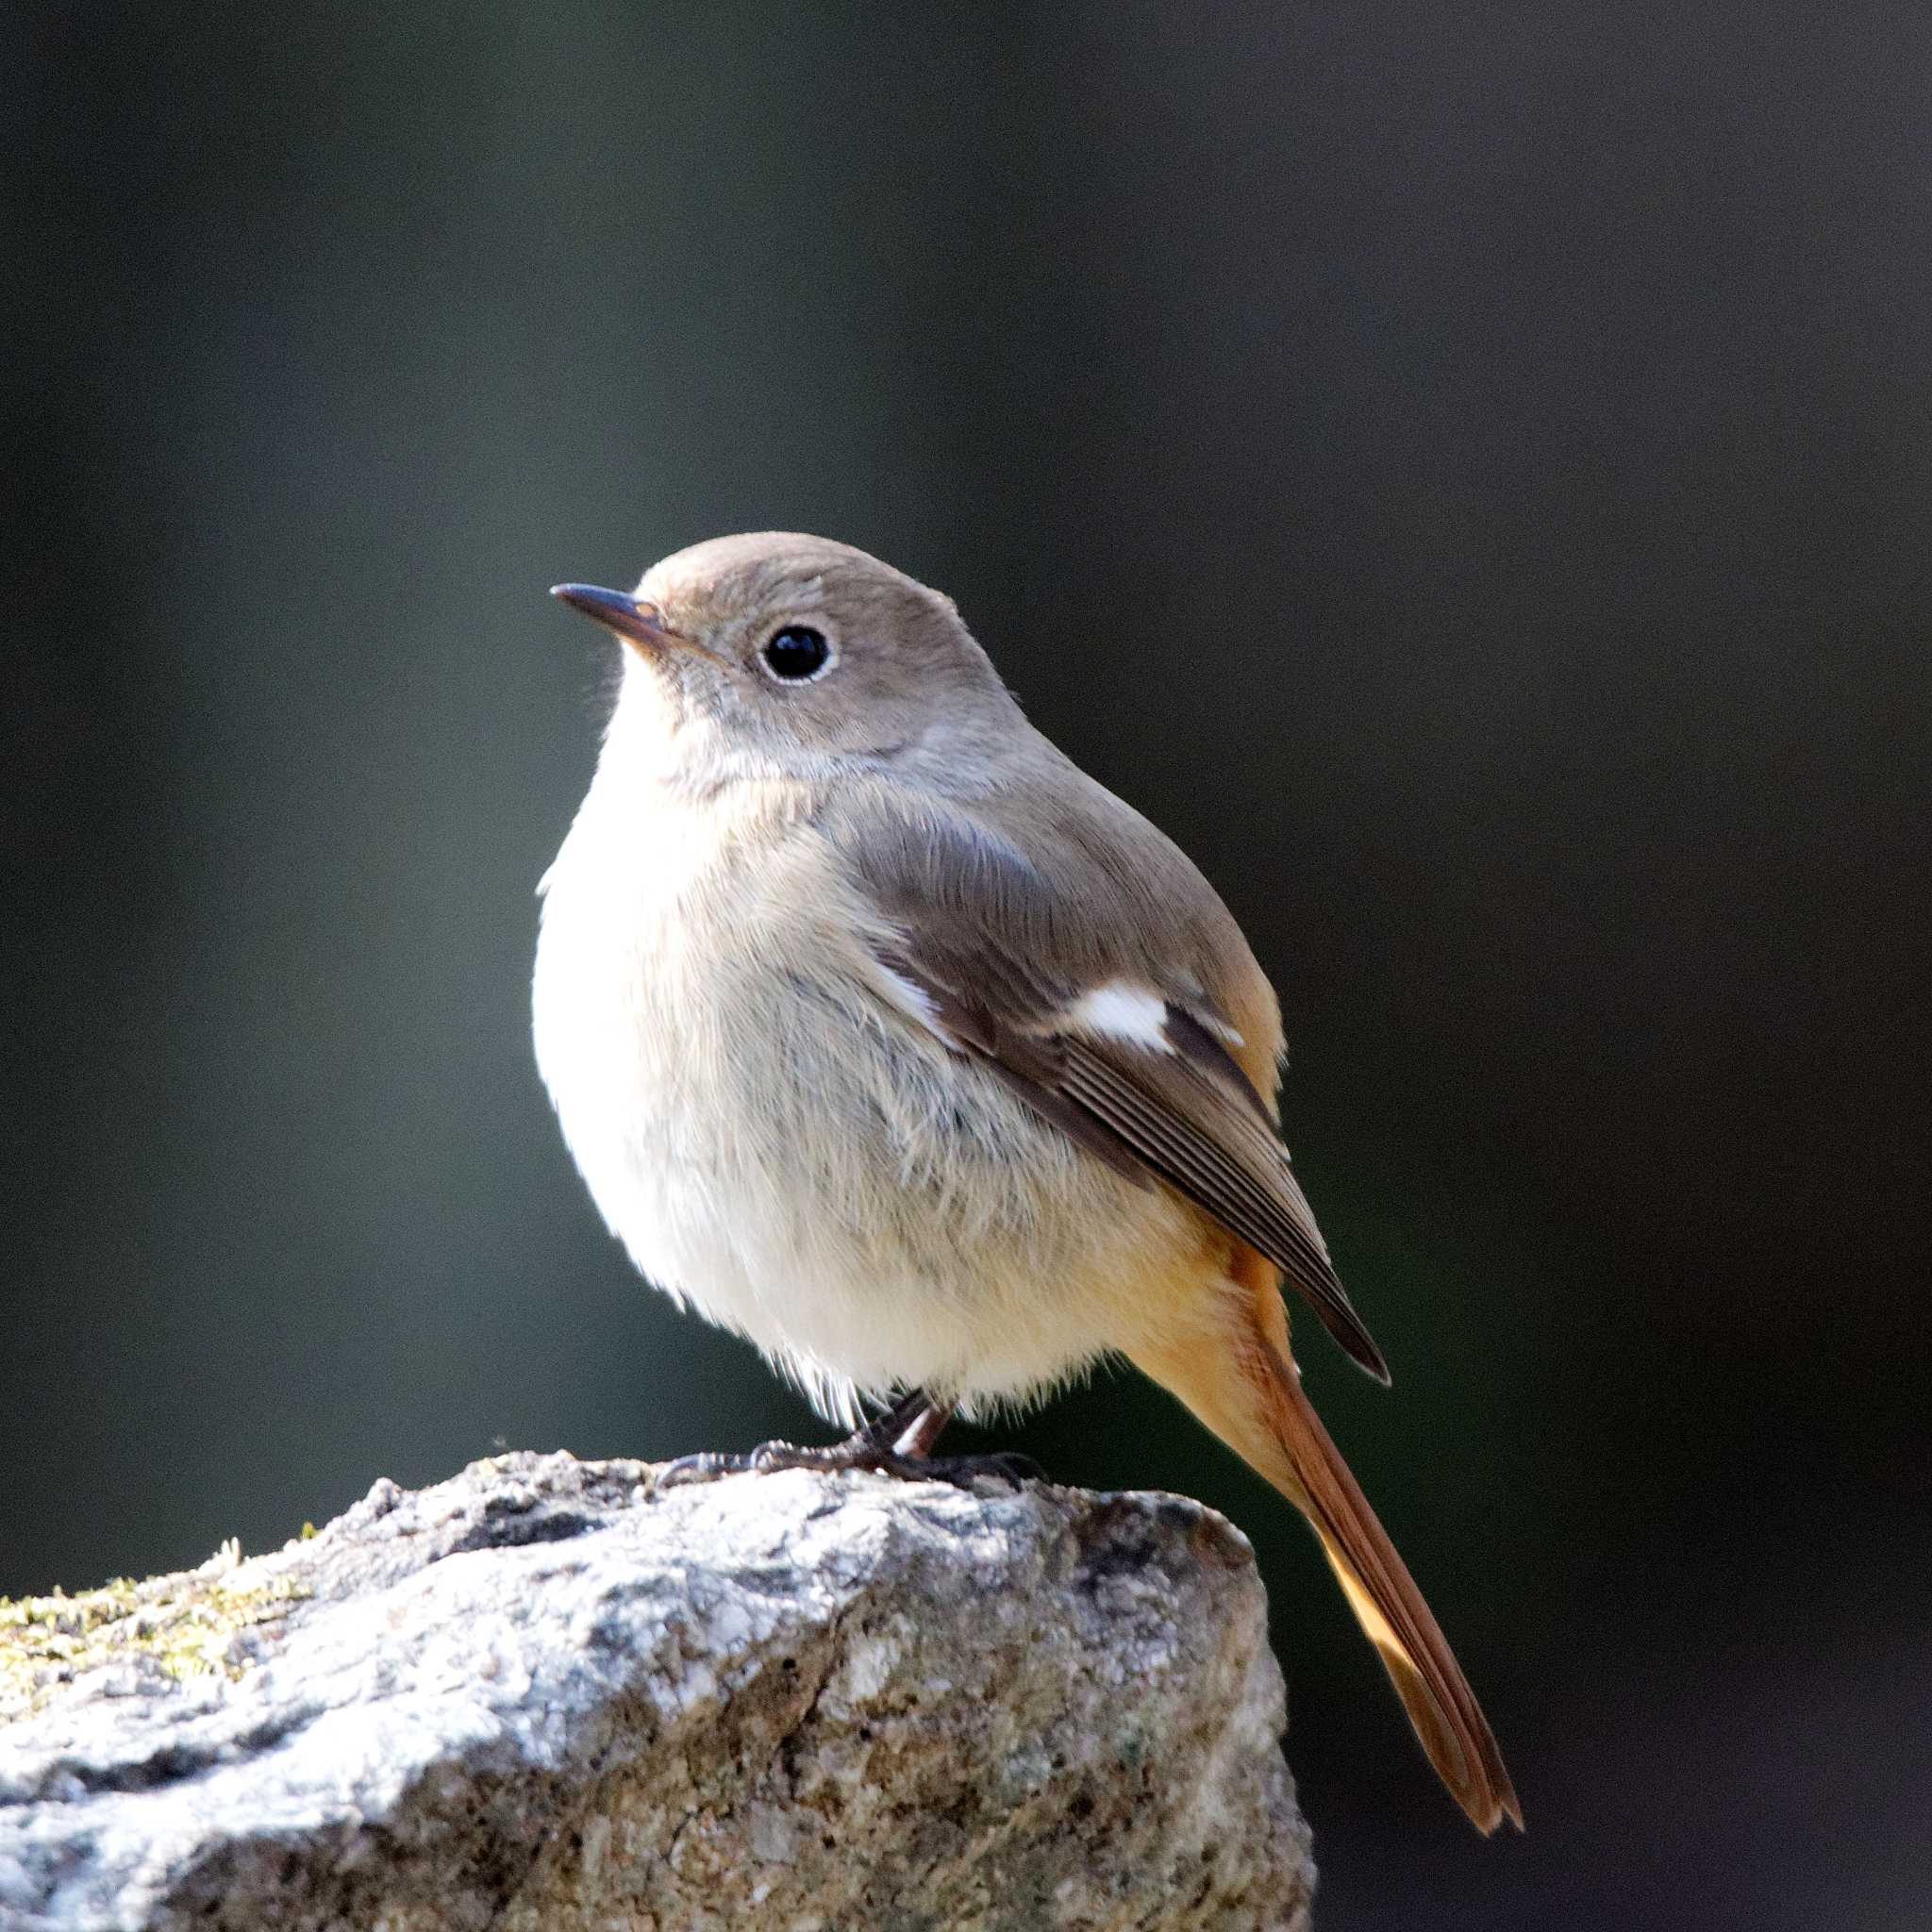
(1464, 471)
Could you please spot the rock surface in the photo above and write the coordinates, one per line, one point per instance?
(545, 1695)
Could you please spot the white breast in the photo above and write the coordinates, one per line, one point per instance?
(780, 1148)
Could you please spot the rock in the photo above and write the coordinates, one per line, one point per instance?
(546, 1694)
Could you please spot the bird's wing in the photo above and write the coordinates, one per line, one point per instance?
(1125, 1052)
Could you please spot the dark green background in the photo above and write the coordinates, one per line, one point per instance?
(1464, 471)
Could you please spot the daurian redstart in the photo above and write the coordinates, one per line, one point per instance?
(887, 1038)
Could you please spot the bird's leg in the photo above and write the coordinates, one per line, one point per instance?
(917, 1424)
(913, 1450)
(923, 1425)
(897, 1442)
(892, 1428)
(914, 1420)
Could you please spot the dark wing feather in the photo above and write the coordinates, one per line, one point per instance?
(1208, 1140)
(973, 928)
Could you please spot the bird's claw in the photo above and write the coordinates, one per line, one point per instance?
(855, 1453)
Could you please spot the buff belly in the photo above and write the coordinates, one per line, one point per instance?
(780, 1150)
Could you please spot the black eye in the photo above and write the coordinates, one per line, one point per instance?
(797, 652)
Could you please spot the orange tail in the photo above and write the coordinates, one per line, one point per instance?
(1247, 1389)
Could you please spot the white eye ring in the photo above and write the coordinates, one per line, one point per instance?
(797, 653)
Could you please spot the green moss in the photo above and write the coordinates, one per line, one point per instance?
(187, 1623)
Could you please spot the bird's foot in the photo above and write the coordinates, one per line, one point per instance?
(860, 1452)
(704, 1466)
(897, 1442)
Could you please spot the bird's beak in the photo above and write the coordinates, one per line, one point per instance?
(640, 625)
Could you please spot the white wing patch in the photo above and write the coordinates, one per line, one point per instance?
(1125, 1011)
(914, 1001)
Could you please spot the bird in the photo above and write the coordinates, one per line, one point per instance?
(887, 1038)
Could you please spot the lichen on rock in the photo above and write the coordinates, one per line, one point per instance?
(182, 1625)
(547, 1694)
